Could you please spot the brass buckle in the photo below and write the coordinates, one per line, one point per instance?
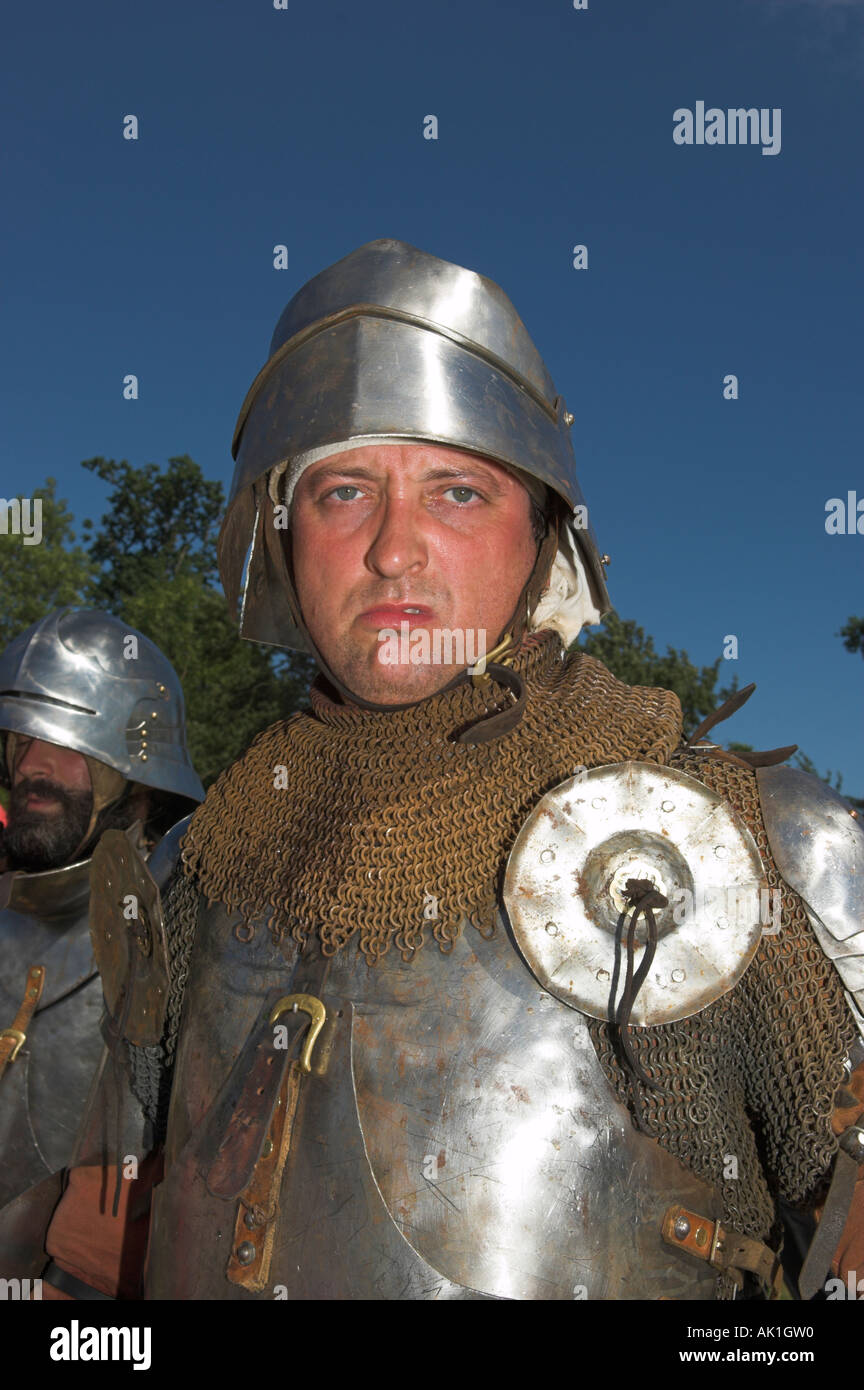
(290, 1003)
(17, 1037)
(478, 672)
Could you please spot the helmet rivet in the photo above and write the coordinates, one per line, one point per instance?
(568, 418)
(245, 1253)
(682, 1228)
(605, 559)
(143, 757)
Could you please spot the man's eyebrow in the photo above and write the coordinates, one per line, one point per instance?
(351, 470)
(468, 470)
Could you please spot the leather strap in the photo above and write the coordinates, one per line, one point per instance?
(835, 1214)
(12, 1039)
(722, 1247)
(68, 1283)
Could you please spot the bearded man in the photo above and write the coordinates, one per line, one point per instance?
(92, 715)
(445, 1032)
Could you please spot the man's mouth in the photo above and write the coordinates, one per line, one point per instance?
(37, 802)
(393, 614)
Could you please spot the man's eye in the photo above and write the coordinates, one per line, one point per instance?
(344, 488)
(462, 493)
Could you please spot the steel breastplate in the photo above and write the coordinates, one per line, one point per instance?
(44, 920)
(457, 1139)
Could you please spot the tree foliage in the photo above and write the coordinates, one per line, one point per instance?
(852, 633)
(151, 560)
(35, 579)
(631, 656)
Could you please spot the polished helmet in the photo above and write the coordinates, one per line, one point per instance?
(85, 680)
(393, 344)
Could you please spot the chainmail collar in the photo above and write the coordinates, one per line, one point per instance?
(344, 822)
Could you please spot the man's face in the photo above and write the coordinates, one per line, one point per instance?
(381, 531)
(50, 804)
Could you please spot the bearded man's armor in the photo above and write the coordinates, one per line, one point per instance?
(83, 680)
(371, 1077)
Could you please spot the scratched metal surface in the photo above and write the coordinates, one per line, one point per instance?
(43, 921)
(456, 1139)
(572, 858)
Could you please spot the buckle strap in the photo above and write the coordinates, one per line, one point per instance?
(12, 1039)
(722, 1247)
(257, 1211)
(835, 1213)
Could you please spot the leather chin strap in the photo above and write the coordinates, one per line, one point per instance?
(495, 725)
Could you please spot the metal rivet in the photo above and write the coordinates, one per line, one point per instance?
(720, 851)
(598, 803)
(547, 856)
(602, 976)
(667, 805)
(678, 976)
(551, 928)
(682, 1228)
(605, 559)
(245, 1253)
(568, 418)
(267, 1149)
(143, 757)
(250, 1220)
(701, 1235)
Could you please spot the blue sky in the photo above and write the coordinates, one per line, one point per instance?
(304, 127)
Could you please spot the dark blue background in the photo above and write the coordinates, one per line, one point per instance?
(304, 127)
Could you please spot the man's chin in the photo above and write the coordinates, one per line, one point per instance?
(397, 684)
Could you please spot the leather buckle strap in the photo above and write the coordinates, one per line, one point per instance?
(12, 1039)
(258, 1208)
(720, 1246)
(835, 1213)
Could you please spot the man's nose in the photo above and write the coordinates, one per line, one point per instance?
(398, 546)
(36, 761)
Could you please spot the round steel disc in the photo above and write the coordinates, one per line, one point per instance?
(565, 890)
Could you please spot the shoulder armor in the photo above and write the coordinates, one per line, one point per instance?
(127, 932)
(166, 856)
(817, 843)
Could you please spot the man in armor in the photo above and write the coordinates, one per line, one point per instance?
(480, 981)
(92, 718)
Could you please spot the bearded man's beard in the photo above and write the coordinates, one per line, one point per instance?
(40, 840)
